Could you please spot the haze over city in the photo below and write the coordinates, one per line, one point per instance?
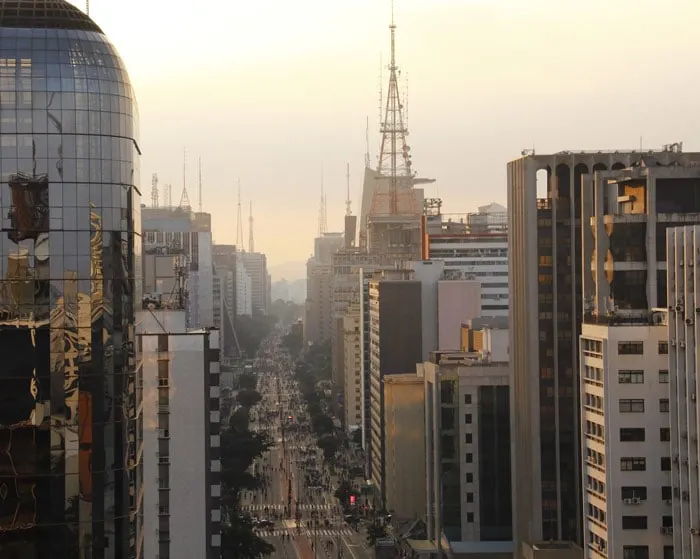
(273, 92)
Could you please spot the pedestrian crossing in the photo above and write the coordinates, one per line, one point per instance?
(257, 507)
(309, 533)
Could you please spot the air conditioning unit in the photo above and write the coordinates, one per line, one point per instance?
(681, 345)
(636, 501)
(669, 501)
(627, 501)
(668, 530)
(693, 531)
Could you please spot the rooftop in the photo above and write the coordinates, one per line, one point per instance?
(44, 14)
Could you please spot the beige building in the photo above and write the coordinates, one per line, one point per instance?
(352, 368)
(318, 317)
(404, 449)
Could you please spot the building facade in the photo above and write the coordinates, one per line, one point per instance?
(547, 236)
(626, 444)
(352, 368)
(182, 510)
(318, 317)
(70, 471)
(395, 346)
(244, 289)
(683, 304)
(255, 264)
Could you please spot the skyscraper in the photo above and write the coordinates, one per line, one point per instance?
(69, 396)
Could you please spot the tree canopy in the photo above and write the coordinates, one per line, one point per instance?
(248, 398)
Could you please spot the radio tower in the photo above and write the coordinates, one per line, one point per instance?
(322, 215)
(348, 202)
(251, 239)
(184, 198)
(154, 191)
(394, 157)
(239, 224)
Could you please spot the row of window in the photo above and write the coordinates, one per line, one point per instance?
(640, 522)
(640, 492)
(637, 376)
(637, 348)
(639, 464)
(638, 434)
(636, 405)
(642, 552)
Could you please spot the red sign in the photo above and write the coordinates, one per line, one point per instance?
(352, 499)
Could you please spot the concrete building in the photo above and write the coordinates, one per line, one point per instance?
(255, 264)
(395, 346)
(352, 368)
(548, 233)
(175, 230)
(318, 316)
(326, 246)
(404, 449)
(626, 445)
(683, 303)
(487, 335)
(468, 452)
(244, 289)
(474, 247)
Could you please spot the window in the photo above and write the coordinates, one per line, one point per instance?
(666, 464)
(630, 348)
(668, 552)
(666, 493)
(663, 348)
(631, 406)
(470, 517)
(635, 552)
(467, 418)
(632, 434)
(633, 464)
(468, 438)
(631, 492)
(663, 405)
(664, 434)
(470, 477)
(663, 376)
(634, 522)
(467, 399)
(470, 497)
(630, 377)
(469, 458)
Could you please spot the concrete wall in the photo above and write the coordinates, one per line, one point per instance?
(458, 301)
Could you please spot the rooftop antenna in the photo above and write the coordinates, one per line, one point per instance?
(200, 185)
(154, 191)
(239, 227)
(348, 202)
(251, 241)
(87, 11)
(367, 163)
(184, 198)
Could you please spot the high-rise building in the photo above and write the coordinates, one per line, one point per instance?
(255, 264)
(625, 435)
(318, 316)
(174, 229)
(550, 242)
(182, 510)
(70, 438)
(352, 355)
(683, 341)
(395, 340)
(474, 246)
(244, 289)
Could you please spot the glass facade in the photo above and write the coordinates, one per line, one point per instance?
(69, 263)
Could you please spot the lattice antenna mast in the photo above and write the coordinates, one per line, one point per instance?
(239, 225)
(251, 239)
(184, 198)
(348, 202)
(394, 158)
(154, 191)
(87, 11)
(367, 159)
(322, 215)
(200, 185)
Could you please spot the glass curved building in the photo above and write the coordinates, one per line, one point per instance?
(70, 437)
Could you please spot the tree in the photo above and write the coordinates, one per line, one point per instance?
(329, 444)
(375, 531)
(356, 436)
(343, 492)
(238, 541)
(247, 381)
(248, 398)
(322, 424)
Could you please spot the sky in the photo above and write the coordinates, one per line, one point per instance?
(277, 94)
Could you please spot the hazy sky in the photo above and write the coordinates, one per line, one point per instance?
(275, 91)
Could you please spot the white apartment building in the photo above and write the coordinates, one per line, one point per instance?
(244, 289)
(625, 438)
(182, 512)
(318, 313)
(352, 370)
(255, 264)
(683, 252)
(475, 246)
